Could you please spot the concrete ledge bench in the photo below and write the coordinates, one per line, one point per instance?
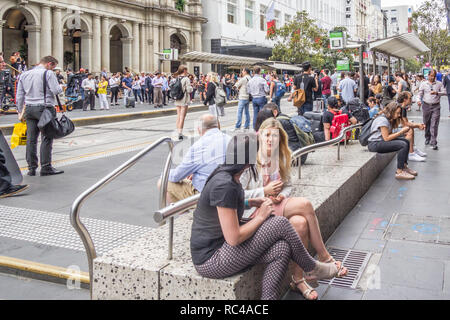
(140, 269)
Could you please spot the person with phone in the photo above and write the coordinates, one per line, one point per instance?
(384, 140)
(430, 92)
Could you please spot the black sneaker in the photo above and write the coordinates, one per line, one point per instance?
(427, 142)
(31, 172)
(13, 190)
(435, 147)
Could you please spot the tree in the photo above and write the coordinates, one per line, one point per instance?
(428, 22)
(412, 65)
(302, 40)
(298, 41)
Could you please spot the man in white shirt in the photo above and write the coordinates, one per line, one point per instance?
(88, 86)
(114, 84)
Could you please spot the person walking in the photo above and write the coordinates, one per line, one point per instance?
(30, 95)
(258, 88)
(102, 91)
(149, 88)
(446, 82)
(309, 84)
(326, 87)
(183, 103)
(165, 90)
(244, 101)
(431, 93)
(114, 84)
(7, 189)
(143, 84)
(157, 83)
(127, 84)
(88, 86)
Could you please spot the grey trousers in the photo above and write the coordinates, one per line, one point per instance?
(33, 114)
(5, 176)
(158, 95)
(431, 118)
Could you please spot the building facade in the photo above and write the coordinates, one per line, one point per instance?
(398, 19)
(239, 27)
(111, 34)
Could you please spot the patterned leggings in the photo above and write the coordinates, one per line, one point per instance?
(275, 243)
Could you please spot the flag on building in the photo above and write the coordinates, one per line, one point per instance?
(270, 18)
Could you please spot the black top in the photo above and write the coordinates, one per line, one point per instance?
(309, 83)
(207, 236)
(210, 94)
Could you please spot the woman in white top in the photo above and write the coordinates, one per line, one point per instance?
(183, 103)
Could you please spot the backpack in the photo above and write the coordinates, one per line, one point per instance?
(358, 110)
(281, 90)
(304, 138)
(340, 121)
(366, 132)
(176, 89)
(300, 95)
(303, 123)
(316, 120)
(220, 97)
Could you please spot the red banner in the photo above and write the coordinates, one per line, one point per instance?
(271, 27)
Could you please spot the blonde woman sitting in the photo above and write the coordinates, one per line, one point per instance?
(274, 182)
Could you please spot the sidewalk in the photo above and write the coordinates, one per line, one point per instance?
(405, 225)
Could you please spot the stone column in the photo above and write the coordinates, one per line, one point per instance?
(135, 61)
(2, 22)
(96, 45)
(166, 45)
(86, 50)
(150, 49)
(34, 44)
(126, 52)
(46, 29)
(105, 44)
(58, 39)
(156, 49)
(143, 48)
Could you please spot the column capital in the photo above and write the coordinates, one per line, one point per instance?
(33, 28)
(105, 18)
(87, 35)
(46, 6)
(58, 8)
(126, 40)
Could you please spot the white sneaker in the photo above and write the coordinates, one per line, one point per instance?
(420, 153)
(416, 157)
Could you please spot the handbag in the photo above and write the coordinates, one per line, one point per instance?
(49, 125)
(19, 136)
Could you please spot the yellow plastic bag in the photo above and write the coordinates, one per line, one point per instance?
(19, 136)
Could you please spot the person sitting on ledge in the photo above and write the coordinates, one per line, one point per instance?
(222, 245)
(383, 140)
(405, 99)
(189, 178)
(274, 181)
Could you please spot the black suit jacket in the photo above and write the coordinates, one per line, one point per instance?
(446, 82)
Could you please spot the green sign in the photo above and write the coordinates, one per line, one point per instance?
(336, 34)
(343, 65)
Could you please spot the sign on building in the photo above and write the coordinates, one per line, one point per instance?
(343, 65)
(170, 54)
(337, 40)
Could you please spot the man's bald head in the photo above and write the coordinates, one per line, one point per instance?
(208, 121)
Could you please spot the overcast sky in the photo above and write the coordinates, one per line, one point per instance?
(388, 3)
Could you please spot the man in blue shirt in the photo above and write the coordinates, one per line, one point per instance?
(127, 83)
(165, 89)
(202, 158)
(348, 88)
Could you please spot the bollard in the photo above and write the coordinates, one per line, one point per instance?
(170, 238)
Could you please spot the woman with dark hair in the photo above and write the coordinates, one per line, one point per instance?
(222, 245)
(183, 103)
(383, 140)
(376, 85)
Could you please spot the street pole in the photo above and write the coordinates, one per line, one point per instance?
(361, 73)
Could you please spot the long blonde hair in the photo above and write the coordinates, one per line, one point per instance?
(285, 155)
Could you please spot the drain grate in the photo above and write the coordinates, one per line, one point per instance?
(354, 261)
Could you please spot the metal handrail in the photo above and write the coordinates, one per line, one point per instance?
(76, 206)
(174, 209)
(300, 152)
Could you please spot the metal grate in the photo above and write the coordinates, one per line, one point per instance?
(354, 261)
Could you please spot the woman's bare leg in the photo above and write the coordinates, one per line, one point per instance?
(301, 227)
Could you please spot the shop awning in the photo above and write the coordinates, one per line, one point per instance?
(214, 58)
(282, 66)
(403, 46)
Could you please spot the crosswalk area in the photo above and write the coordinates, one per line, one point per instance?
(54, 229)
